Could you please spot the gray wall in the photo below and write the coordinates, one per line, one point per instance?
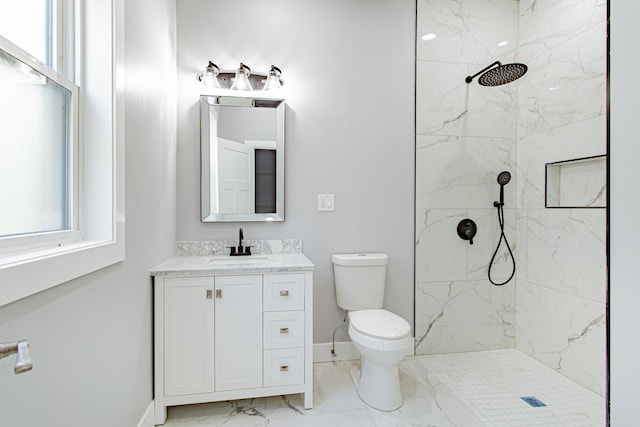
(349, 85)
(91, 338)
(232, 123)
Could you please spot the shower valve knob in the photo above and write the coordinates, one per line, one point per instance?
(467, 230)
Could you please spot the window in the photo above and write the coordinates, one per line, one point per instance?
(61, 135)
(37, 148)
(38, 126)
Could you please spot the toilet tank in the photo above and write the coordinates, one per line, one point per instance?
(360, 280)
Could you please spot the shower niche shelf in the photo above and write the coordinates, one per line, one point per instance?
(576, 183)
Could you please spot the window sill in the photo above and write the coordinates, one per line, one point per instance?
(22, 276)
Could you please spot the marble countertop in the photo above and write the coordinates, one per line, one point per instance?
(209, 265)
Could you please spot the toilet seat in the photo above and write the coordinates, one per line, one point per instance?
(378, 323)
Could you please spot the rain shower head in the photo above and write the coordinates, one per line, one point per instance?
(502, 74)
(504, 178)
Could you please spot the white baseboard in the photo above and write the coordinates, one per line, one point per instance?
(147, 419)
(343, 351)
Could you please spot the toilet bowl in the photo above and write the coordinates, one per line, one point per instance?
(383, 340)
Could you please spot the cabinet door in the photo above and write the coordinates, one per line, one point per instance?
(238, 332)
(188, 335)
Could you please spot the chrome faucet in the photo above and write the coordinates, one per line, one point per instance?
(23, 358)
(240, 250)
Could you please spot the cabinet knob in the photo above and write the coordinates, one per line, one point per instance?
(218, 293)
(209, 294)
(284, 330)
(284, 293)
(284, 368)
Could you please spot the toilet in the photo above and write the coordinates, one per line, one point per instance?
(382, 338)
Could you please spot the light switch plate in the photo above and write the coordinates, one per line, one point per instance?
(326, 202)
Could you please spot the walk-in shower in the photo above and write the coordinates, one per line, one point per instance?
(549, 106)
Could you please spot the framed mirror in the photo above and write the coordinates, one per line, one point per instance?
(242, 159)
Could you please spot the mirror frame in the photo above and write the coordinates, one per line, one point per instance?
(208, 210)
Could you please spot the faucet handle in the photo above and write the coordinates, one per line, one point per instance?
(23, 359)
(232, 250)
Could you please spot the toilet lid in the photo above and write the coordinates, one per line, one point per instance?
(379, 324)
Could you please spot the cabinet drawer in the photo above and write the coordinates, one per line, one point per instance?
(283, 292)
(283, 329)
(283, 367)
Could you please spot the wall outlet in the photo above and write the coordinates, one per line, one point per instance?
(326, 202)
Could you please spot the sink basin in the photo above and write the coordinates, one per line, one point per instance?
(238, 260)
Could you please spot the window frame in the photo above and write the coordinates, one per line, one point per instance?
(99, 31)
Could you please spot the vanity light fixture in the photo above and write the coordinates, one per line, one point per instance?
(241, 79)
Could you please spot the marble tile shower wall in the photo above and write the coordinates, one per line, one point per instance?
(561, 280)
(466, 135)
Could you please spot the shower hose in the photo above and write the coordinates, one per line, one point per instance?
(500, 207)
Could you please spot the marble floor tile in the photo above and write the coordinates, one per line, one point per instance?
(438, 390)
(351, 418)
(241, 413)
(426, 402)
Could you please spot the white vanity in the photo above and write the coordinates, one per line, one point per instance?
(229, 328)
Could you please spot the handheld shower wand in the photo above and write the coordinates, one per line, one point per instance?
(503, 179)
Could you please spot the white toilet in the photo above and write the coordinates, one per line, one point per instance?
(382, 338)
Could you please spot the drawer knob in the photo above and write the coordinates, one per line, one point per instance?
(284, 293)
(284, 368)
(284, 330)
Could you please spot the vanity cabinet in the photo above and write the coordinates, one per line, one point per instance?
(231, 336)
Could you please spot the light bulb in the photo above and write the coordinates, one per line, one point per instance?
(210, 75)
(273, 79)
(241, 81)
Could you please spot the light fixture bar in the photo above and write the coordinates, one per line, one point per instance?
(214, 77)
